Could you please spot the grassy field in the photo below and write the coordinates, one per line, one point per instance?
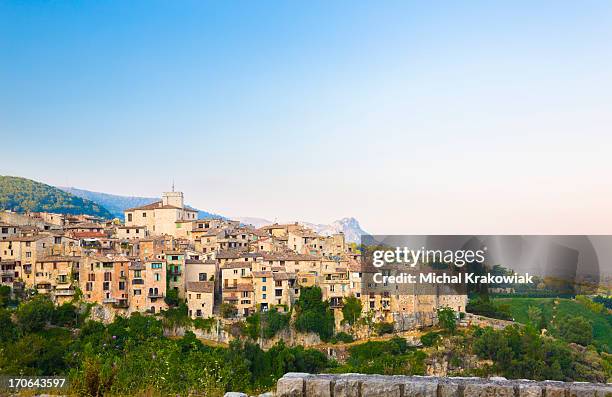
(602, 323)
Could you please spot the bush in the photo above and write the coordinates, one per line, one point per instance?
(383, 328)
(429, 339)
(575, 330)
(351, 311)
(228, 310)
(342, 337)
(447, 319)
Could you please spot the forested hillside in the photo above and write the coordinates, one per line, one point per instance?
(21, 195)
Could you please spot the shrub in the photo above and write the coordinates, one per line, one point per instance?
(383, 328)
(429, 339)
(342, 337)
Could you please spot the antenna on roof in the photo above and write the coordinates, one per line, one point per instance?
(173, 184)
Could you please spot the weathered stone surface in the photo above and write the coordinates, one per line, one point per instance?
(582, 390)
(504, 390)
(235, 394)
(449, 389)
(420, 387)
(479, 389)
(554, 389)
(356, 385)
(529, 390)
(380, 387)
(347, 386)
(290, 386)
(319, 386)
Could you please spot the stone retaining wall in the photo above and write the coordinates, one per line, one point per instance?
(355, 385)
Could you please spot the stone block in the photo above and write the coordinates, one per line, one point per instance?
(319, 386)
(347, 386)
(290, 386)
(479, 389)
(380, 387)
(421, 387)
(529, 390)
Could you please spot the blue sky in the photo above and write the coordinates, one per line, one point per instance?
(480, 117)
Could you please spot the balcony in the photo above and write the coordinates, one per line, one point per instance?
(153, 295)
(121, 303)
(138, 281)
(63, 292)
(109, 300)
(64, 280)
(7, 273)
(175, 272)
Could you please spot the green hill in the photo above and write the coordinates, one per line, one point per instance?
(601, 322)
(21, 195)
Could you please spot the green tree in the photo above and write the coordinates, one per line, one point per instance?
(351, 311)
(447, 319)
(172, 297)
(313, 314)
(535, 317)
(576, 330)
(33, 316)
(8, 330)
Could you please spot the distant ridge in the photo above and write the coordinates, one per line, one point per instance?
(349, 226)
(25, 195)
(116, 204)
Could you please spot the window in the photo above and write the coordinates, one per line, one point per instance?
(108, 276)
(263, 296)
(202, 277)
(130, 220)
(157, 277)
(88, 286)
(144, 214)
(156, 266)
(263, 288)
(106, 286)
(137, 292)
(198, 296)
(263, 279)
(91, 277)
(28, 254)
(121, 285)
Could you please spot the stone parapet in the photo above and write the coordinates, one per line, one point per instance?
(357, 385)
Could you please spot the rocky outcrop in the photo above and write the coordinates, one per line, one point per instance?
(356, 385)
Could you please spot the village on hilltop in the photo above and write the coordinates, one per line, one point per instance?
(162, 249)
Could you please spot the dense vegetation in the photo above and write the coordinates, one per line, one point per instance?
(520, 352)
(25, 195)
(313, 314)
(131, 355)
(558, 317)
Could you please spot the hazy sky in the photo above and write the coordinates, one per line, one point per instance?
(458, 117)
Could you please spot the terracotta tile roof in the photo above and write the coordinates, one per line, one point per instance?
(88, 234)
(237, 265)
(59, 258)
(200, 286)
(262, 274)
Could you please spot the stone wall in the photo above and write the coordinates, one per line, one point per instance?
(355, 385)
